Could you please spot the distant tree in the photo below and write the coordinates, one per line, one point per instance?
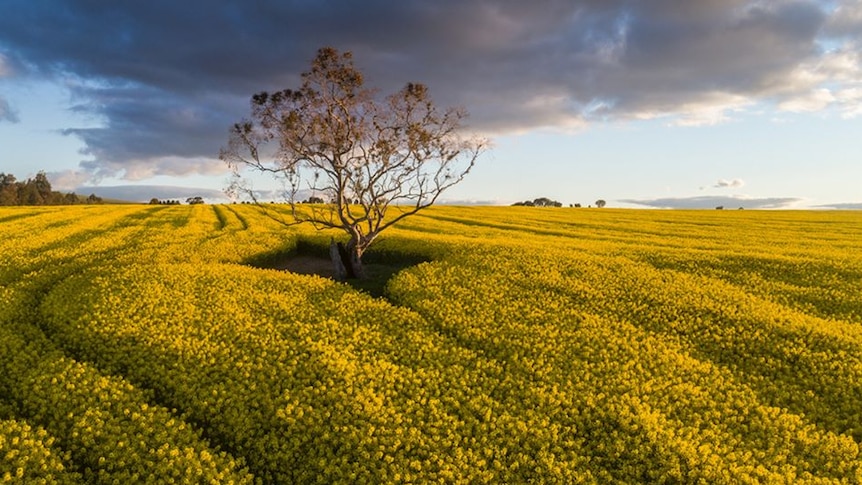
(546, 202)
(155, 201)
(720, 207)
(28, 194)
(600, 203)
(540, 202)
(336, 138)
(8, 189)
(314, 200)
(94, 199)
(194, 200)
(578, 206)
(42, 186)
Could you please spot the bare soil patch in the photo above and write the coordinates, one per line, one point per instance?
(307, 264)
(377, 274)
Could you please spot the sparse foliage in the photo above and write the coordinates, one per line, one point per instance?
(600, 203)
(367, 157)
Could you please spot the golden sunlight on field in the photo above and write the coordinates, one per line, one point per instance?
(534, 345)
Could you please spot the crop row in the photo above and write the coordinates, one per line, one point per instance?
(709, 373)
(310, 382)
(629, 435)
(538, 346)
(28, 455)
(105, 424)
(107, 429)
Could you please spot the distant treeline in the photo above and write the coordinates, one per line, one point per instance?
(540, 202)
(190, 201)
(546, 202)
(38, 191)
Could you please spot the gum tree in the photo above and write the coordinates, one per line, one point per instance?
(373, 161)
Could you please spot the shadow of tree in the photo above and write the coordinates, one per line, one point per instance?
(311, 257)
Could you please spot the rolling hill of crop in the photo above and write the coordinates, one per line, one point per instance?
(145, 344)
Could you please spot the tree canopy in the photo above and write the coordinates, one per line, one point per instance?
(374, 161)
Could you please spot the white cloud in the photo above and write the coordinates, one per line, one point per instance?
(707, 109)
(842, 206)
(474, 202)
(712, 202)
(704, 115)
(850, 100)
(68, 180)
(143, 193)
(814, 100)
(723, 184)
(141, 169)
(829, 81)
(841, 64)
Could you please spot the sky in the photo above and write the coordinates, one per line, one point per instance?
(650, 103)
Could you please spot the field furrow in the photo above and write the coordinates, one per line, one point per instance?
(516, 345)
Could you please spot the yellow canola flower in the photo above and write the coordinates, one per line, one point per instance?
(547, 346)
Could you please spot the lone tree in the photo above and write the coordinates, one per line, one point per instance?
(375, 161)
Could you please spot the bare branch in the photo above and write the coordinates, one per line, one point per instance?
(332, 136)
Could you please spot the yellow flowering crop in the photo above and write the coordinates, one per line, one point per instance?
(533, 346)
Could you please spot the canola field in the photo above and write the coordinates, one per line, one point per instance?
(137, 345)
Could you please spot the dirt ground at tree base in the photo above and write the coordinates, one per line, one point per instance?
(305, 264)
(377, 275)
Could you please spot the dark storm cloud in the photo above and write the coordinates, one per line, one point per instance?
(711, 202)
(7, 113)
(168, 77)
(846, 21)
(149, 123)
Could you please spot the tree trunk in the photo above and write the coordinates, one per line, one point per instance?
(337, 260)
(355, 260)
(346, 260)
